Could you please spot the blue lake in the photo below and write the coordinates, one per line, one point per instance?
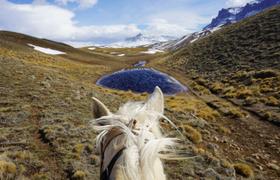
(141, 80)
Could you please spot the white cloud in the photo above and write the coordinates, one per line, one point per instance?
(237, 3)
(82, 3)
(53, 22)
(163, 27)
(176, 22)
(44, 20)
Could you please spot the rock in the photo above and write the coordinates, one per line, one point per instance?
(197, 122)
(273, 166)
(32, 77)
(212, 147)
(45, 84)
(251, 160)
(49, 78)
(78, 95)
(211, 173)
(260, 167)
(216, 139)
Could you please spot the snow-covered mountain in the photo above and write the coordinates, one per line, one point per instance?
(177, 43)
(235, 14)
(142, 40)
(225, 17)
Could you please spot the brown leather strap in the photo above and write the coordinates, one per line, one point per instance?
(113, 133)
(107, 172)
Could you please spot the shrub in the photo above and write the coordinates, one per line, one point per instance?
(235, 113)
(271, 101)
(244, 93)
(193, 134)
(78, 148)
(199, 88)
(7, 169)
(216, 87)
(79, 175)
(224, 130)
(19, 155)
(249, 101)
(207, 114)
(244, 170)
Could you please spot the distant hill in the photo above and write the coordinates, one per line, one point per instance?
(18, 41)
(141, 40)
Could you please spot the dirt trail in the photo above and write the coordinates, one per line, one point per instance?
(45, 151)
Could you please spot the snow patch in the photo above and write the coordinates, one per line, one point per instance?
(46, 50)
(235, 10)
(152, 51)
(91, 48)
(121, 55)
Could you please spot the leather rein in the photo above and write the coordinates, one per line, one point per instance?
(105, 175)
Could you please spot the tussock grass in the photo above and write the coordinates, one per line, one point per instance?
(193, 134)
(244, 170)
(192, 105)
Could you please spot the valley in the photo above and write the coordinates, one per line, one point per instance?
(229, 116)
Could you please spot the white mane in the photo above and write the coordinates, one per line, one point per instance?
(141, 136)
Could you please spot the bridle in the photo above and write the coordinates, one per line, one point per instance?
(105, 175)
(114, 133)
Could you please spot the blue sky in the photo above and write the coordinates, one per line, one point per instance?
(108, 20)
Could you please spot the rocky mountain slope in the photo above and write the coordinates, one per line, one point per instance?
(235, 14)
(225, 17)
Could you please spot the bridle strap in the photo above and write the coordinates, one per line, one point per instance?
(105, 145)
(107, 172)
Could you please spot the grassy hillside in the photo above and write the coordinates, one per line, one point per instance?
(45, 109)
(241, 62)
(252, 44)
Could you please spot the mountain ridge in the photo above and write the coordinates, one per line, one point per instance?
(235, 14)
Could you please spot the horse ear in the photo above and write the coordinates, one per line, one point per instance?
(156, 101)
(99, 109)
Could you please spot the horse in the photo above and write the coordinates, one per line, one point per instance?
(130, 142)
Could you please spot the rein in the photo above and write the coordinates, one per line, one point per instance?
(107, 172)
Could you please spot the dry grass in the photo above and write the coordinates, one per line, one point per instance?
(223, 129)
(235, 112)
(243, 93)
(193, 134)
(244, 170)
(7, 169)
(270, 101)
(193, 105)
(216, 87)
(199, 88)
